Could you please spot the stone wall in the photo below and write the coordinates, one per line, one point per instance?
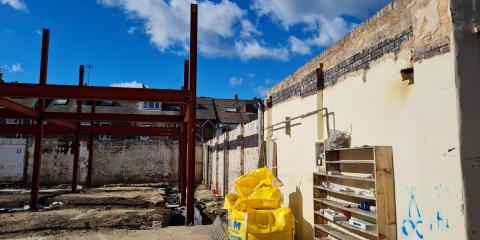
(230, 155)
(114, 161)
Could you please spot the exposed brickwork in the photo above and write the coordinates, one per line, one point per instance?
(362, 59)
(308, 86)
(414, 30)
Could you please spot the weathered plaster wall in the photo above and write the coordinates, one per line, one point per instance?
(364, 90)
(114, 161)
(231, 155)
(466, 15)
(12, 159)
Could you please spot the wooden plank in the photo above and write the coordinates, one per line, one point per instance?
(335, 232)
(339, 205)
(350, 194)
(372, 234)
(352, 161)
(385, 188)
(346, 177)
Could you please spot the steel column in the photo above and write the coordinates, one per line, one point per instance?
(37, 155)
(182, 157)
(76, 146)
(90, 151)
(192, 114)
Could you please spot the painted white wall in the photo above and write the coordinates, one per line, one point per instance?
(12, 160)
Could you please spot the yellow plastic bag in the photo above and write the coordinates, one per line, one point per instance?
(270, 221)
(261, 198)
(245, 184)
(230, 200)
(237, 225)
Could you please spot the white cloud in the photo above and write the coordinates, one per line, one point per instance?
(262, 91)
(132, 30)
(251, 75)
(133, 84)
(248, 29)
(252, 49)
(323, 20)
(291, 12)
(235, 81)
(14, 68)
(298, 46)
(16, 4)
(167, 23)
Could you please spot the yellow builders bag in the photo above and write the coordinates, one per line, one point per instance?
(237, 225)
(256, 212)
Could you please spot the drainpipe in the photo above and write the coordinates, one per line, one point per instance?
(261, 111)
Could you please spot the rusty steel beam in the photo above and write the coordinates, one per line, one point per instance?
(192, 114)
(94, 130)
(90, 150)
(37, 155)
(6, 114)
(30, 113)
(112, 117)
(90, 93)
(19, 108)
(76, 147)
(182, 155)
(128, 131)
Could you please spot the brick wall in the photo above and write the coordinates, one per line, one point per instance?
(399, 29)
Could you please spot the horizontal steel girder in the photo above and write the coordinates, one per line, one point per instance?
(91, 93)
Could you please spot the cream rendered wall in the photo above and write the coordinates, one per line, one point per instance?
(420, 122)
(296, 159)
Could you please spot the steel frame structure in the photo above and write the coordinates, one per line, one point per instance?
(68, 123)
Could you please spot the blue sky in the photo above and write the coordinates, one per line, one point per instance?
(245, 47)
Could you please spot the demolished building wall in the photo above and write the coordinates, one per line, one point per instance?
(230, 155)
(359, 80)
(114, 161)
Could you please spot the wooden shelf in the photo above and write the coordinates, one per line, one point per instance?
(350, 194)
(335, 232)
(356, 166)
(347, 177)
(339, 205)
(371, 233)
(352, 161)
(345, 224)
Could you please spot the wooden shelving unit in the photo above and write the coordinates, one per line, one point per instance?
(360, 169)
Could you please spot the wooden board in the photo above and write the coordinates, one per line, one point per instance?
(339, 205)
(335, 232)
(385, 188)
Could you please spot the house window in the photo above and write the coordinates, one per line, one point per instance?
(105, 137)
(231, 109)
(152, 106)
(144, 138)
(12, 121)
(60, 102)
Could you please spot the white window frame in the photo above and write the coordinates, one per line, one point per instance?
(151, 106)
(231, 109)
(12, 121)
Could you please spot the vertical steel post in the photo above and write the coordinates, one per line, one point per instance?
(182, 156)
(192, 113)
(76, 145)
(90, 150)
(37, 155)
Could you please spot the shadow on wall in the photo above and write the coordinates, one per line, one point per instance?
(303, 229)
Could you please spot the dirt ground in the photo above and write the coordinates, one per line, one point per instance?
(169, 233)
(109, 212)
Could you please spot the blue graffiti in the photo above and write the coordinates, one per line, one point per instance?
(412, 225)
